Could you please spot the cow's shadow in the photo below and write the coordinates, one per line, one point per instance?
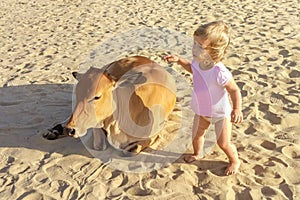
(26, 111)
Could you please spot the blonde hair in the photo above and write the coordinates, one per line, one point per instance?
(217, 33)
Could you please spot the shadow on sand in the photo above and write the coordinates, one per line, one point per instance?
(28, 110)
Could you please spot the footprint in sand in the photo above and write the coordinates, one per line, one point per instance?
(29, 195)
(278, 160)
(269, 145)
(250, 130)
(268, 191)
(270, 116)
(291, 151)
(294, 74)
(259, 170)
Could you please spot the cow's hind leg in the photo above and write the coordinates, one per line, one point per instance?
(100, 140)
(136, 147)
(54, 133)
(133, 148)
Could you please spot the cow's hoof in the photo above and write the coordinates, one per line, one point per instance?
(128, 154)
(54, 133)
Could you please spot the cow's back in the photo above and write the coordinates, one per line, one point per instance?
(145, 95)
(118, 68)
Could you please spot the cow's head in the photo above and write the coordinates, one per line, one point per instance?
(93, 101)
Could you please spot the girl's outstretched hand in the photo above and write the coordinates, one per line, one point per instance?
(171, 58)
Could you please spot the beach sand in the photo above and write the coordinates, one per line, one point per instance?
(42, 42)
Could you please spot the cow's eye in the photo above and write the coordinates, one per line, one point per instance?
(97, 97)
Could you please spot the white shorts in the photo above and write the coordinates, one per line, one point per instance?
(213, 120)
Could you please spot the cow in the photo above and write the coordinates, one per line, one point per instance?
(126, 103)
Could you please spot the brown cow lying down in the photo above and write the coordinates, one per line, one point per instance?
(126, 103)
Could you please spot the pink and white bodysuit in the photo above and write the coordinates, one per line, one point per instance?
(210, 98)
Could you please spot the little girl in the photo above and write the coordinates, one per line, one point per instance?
(212, 82)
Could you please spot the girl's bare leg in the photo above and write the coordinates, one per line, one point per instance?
(223, 131)
(200, 125)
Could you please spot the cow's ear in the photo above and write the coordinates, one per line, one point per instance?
(111, 77)
(76, 75)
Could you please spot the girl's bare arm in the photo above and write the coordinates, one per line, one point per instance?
(236, 98)
(186, 64)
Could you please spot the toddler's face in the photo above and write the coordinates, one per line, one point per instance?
(200, 53)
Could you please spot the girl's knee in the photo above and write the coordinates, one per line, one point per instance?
(224, 144)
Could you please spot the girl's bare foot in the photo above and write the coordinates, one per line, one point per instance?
(191, 158)
(232, 168)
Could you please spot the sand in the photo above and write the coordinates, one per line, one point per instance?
(42, 42)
